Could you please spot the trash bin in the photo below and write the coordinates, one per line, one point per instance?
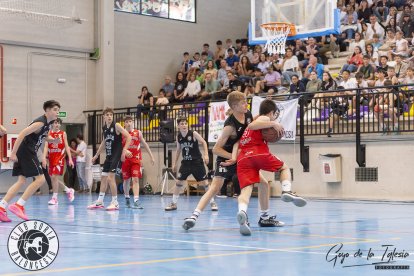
(331, 167)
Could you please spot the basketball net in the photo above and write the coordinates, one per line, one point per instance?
(48, 13)
(276, 34)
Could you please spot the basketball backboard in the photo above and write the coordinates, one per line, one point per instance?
(311, 17)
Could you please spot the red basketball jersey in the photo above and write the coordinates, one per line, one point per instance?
(134, 147)
(56, 151)
(252, 143)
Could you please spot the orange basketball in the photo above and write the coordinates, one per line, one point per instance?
(271, 135)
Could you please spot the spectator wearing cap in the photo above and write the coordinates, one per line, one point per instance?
(407, 26)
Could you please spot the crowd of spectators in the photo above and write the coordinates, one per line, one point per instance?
(378, 34)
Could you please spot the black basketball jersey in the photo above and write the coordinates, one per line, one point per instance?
(113, 141)
(239, 127)
(189, 146)
(33, 141)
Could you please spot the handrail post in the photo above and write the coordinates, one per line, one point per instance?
(360, 148)
(304, 150)
(94, 133)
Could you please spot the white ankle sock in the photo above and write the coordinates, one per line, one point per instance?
(114, 199)
(196, 214)
(101, 197)
(286, 185)
(126, 195)
(243, 207)
(65, 189)
(175, 198)
(55, 195)
(264, 214)
(3, 204)
(21, 202)
(136, 198)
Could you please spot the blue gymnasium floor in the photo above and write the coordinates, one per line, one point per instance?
(152, 242)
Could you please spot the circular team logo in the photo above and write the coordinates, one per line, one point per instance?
(189, 138)
(33, 245)
(249, 120)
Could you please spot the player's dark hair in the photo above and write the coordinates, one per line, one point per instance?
(181, 118)
(80, 137)
(50, 104)
(267, 106)
(59, 120)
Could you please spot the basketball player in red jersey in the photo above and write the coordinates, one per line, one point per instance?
(132, 166)
(254, 155)
(57, 153)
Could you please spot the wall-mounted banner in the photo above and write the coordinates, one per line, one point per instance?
(287, 115)
(217, 118)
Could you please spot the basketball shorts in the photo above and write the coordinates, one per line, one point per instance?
(131, 169)
(112, 165)
(27, 164)
(198, 170)
(225, 172)
(248, 168)
(57, 169)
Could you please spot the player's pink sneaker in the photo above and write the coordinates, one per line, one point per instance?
(53, 201)
(96, 205)
(71, 195)
(18, 211)
(3, 215)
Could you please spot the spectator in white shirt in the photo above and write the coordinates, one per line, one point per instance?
(193, 89)
(81, 163)
(374, 28)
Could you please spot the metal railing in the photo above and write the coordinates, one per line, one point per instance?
(386, 110)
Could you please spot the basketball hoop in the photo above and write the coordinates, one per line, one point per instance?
(276, 34)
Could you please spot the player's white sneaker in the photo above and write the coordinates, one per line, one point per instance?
(53, 201)
(114, 206)
(244, 223)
